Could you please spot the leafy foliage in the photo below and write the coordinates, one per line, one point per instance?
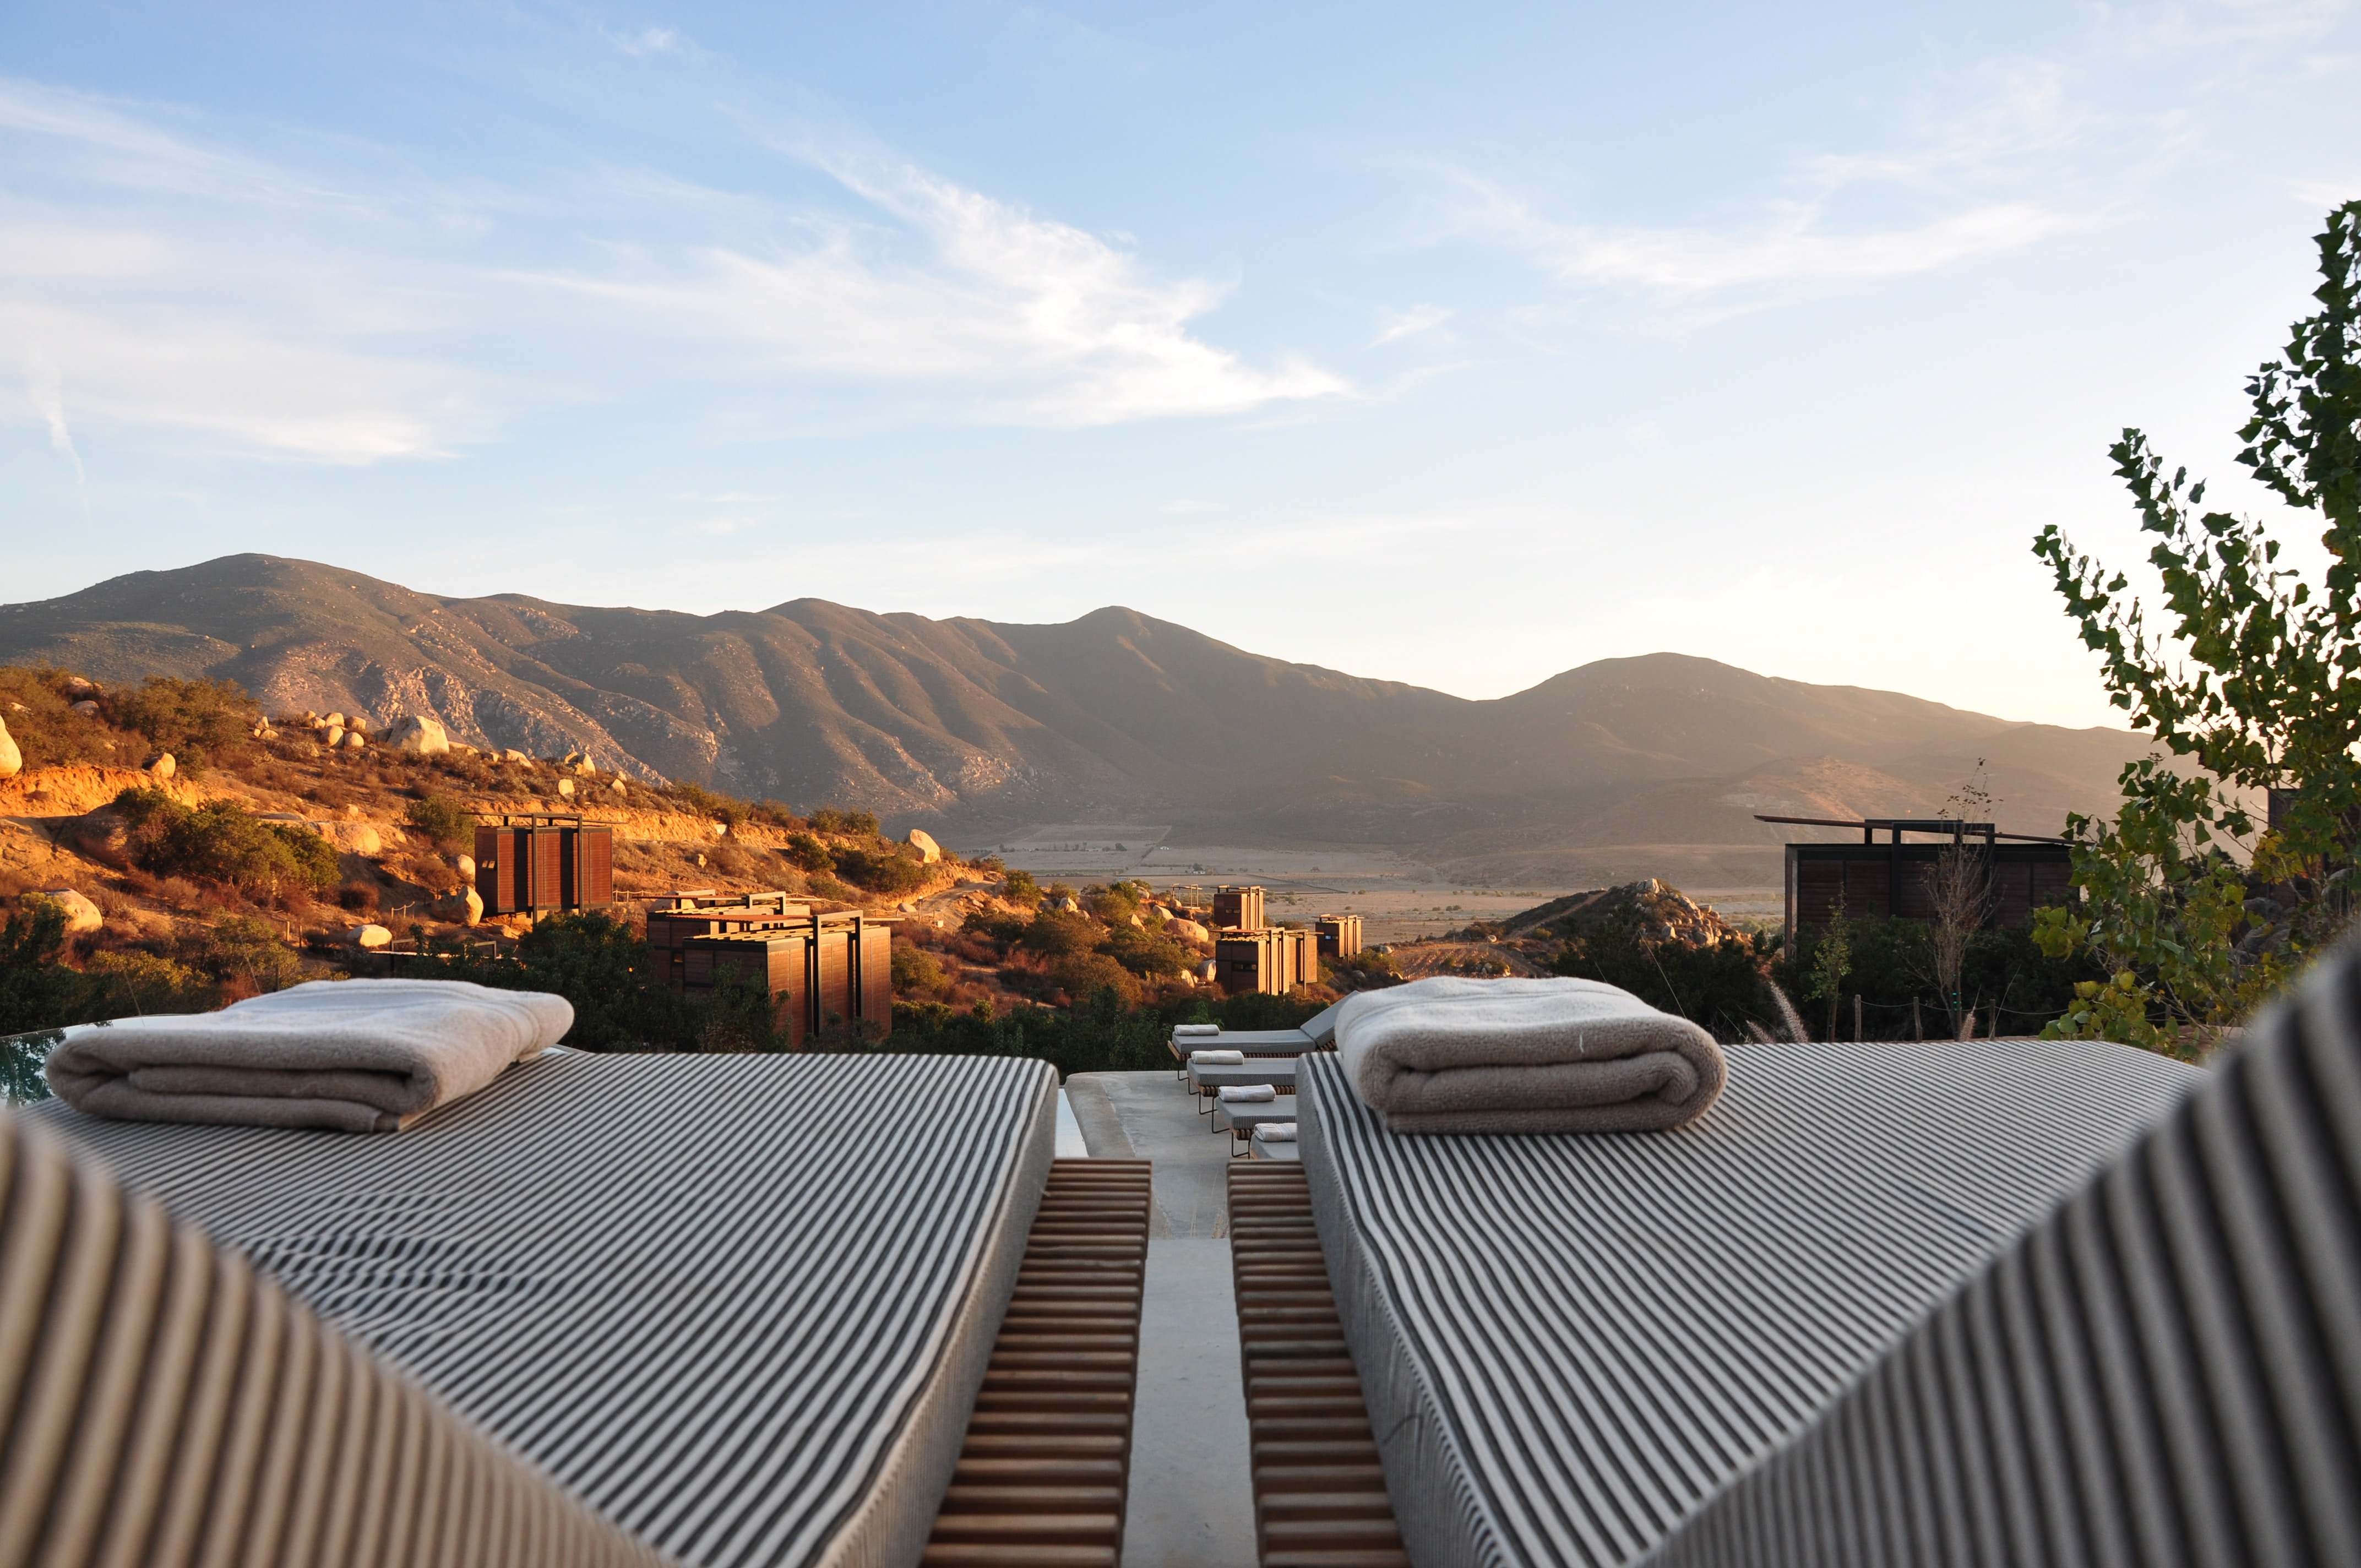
(442, 819)
(37, 990)
(1719, 987)
(1021, 888)
(887, 870)
(1891, 965)
(851, 824)
(193, 720)
(221, 841)
(2272, 703)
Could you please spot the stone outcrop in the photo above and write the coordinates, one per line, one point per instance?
(369, 937)
(928, 850)
(1660, 913)
(164, 767)
(1187, 931)
(420, 734)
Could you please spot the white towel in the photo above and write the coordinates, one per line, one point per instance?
(1524, 1056)
(1218, 1058)
(1248, 1094)
(1276, 1131)
(1185, 1031)
(358, 1055)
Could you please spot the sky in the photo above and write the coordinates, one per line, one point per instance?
(1451, 345)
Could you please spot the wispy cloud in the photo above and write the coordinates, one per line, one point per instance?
(1053, 325)
(46, 389)
(343, 317)
(1410, 322)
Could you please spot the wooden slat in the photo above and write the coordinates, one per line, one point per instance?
(1319, 1494)
(1042, 1475)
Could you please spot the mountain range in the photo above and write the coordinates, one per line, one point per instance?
(976, 730)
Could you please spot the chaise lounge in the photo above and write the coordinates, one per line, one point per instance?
(619, 1299)
(2009, 1302)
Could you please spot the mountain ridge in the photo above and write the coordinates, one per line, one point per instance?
(973, 727)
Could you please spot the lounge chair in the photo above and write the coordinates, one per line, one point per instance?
(1260, 1146)
(701, 1310)
(1627, 1348)
(1209, 1082)
(1240, 1118)
(1317, 1033)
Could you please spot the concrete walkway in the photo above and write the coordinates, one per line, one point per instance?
(1191, 1502)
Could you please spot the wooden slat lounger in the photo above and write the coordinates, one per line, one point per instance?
(1319, 1494)
(1043, 1475)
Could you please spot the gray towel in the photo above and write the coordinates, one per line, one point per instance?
(358, 1055)
(1524, 1056)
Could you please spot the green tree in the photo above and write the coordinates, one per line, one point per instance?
(1832, 962)
(2251, 683)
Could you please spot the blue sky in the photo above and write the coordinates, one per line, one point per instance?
(1455, 344)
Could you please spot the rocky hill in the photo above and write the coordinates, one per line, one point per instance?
(1650, 765)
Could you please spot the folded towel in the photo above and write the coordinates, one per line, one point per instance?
(1249, 1093)
(1185, 1031)
(1523, 1056)
(1218, 1058)
(359, 1056)
(1276, 1131)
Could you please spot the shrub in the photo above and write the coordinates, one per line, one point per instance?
(132, 984)
(852, 824)
(1116, 904)
(1143, 954)
(886, 870)
(807, 854)
(1085, 976)
(917, 972)
(36, 989)
(45, 727)
(191, 720)
(242, 947)
(709, 803)
(441, 820)
(1022, 889)
(1721, 988)
(1058, 934)
(222, 842)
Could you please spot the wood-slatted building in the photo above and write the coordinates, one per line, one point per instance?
(1894, 877)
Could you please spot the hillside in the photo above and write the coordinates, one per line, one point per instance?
(1643, 766)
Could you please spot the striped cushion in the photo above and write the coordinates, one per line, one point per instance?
(739, 1304)
(1570, 1343)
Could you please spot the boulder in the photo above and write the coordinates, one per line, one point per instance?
(510, 755)
(333, 721)
(420, 734)
(928, 850)
(618, 787)
(81, 915)
(1187, 931)
(87, 708)
(354, 740)
(358, 721)
(566, 788)
(103, 835)
(466, 907)
(370, 938)
(80, 686)
(332, 736)
(163, 767)
(465, 865)
(12, 758)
